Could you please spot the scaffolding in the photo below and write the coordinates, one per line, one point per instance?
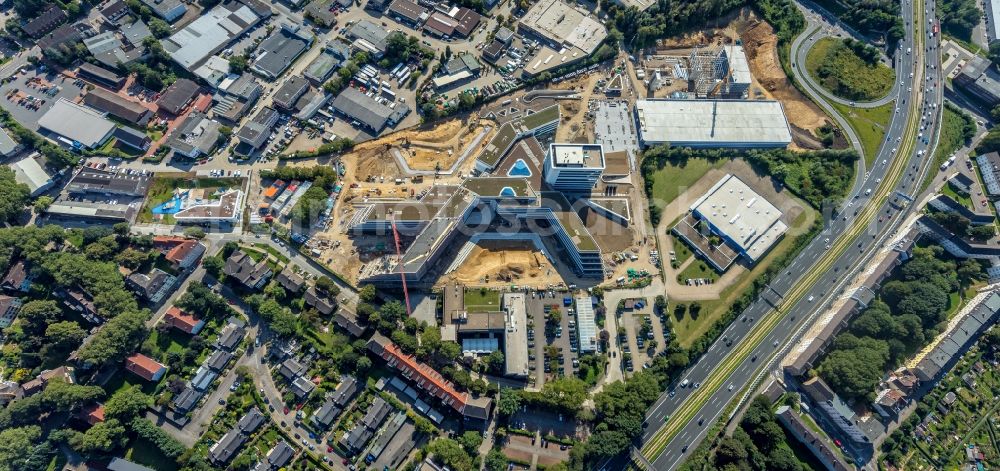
(719, 72)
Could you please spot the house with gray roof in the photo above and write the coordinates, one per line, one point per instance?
(169, 10)
(368, 37)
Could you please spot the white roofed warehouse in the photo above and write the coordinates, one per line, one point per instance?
(712, 123)
(748, 224)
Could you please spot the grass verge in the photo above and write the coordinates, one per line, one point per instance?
(869, 124)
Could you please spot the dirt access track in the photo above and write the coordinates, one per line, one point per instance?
(769, 79)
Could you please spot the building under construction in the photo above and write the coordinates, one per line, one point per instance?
(719, 73)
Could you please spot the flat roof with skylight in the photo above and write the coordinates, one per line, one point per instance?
(742, 216)
(712, 123)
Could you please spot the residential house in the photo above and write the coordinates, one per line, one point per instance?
(145, 367)
(17, 278)
(290, 280)
(335, 402)
(349, 322)
(242, 268)
(218, 360)
(36, 385)
(355, 440)
(93, 414)
(319, 300)
(227, 446)
(9, 307)
(153, 287)
(182, 253)
(280, 455)
(121, 464)
(183, 321)
(47, 21)
(186, 400)
(230, 336)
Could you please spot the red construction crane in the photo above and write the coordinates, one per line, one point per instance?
(399, 261)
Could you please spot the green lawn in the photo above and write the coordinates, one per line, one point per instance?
(145, 453)
(961, 198)
(673, 179)
(950, 140)
(271, 250)
(698, 269)
(689, 328)
(681, 250)
(869, 124)
(844, 73)
(482, 300)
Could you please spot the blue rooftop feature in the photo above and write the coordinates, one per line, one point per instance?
(508, 191)
(519, 169)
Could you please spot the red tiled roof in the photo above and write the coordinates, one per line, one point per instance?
(179, 252)
(428, 378)
(143, 366)
(94, 414)
(180, 320)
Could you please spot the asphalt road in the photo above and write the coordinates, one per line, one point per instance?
(823, 289)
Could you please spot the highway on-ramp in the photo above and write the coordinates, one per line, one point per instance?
(680, 419)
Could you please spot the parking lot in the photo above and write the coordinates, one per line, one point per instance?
(559, 340)
(644, 336)
(31, 94)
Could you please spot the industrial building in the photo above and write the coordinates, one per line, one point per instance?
(748, 224)
(29, 172)
(980, 79)
(712, 123)
(114, 104)
(367, 112)
(210, 33)
(586, 325)
(562, 25)
(368, 37)
(574, 167)
(196, 136)
(276, 53)
(76, 126)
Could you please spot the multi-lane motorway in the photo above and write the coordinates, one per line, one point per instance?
(680, 419)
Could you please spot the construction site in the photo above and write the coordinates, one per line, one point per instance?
(738, 60)
(410, 196)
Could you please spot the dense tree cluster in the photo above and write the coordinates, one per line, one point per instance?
(958, 17)
(907, 315)
(14, 196)
(758, 444)
(57, 397)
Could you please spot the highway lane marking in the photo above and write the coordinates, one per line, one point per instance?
(849, 235)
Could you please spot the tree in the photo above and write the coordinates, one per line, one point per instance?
(127, 404)
(327, 285)
(64, 335)
(42, 203)
(450, 453)
(782, 459)
(16, 445)
(13, 195)
(238, 64)
(214, 265)
(509, 401)
(100, 438)
(731, 450)
(495, 362)
(194, 232)
(117, 338)
(367, 293)
(497, 461)
(470, 440)
(37, 314)
(284, 323)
